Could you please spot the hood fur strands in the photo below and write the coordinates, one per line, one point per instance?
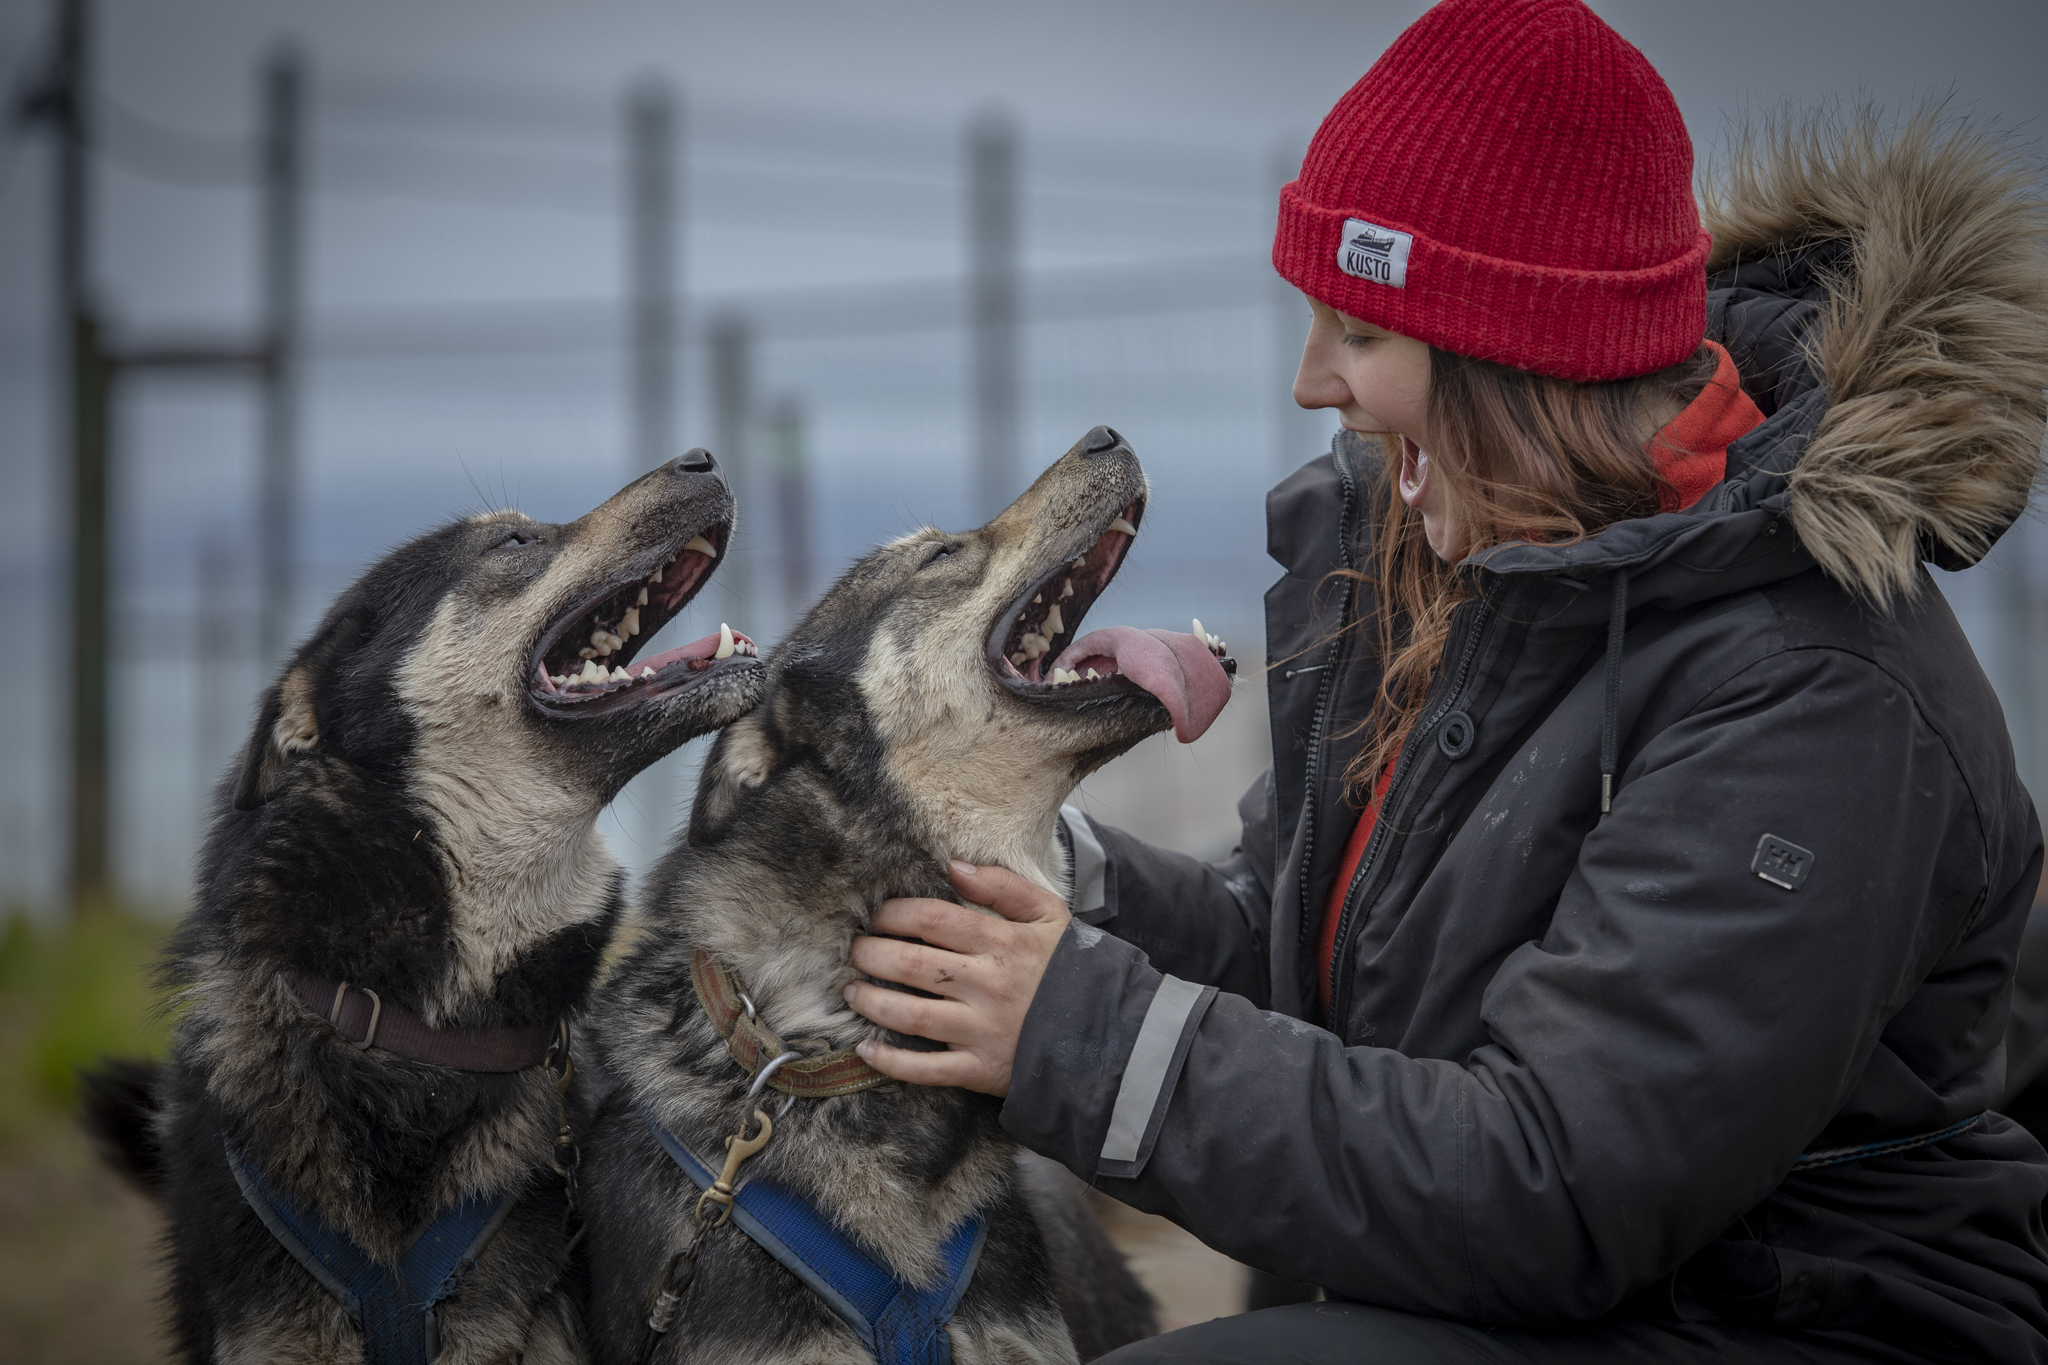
(1933, 344)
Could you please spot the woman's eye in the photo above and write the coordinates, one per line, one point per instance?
(1358, 339)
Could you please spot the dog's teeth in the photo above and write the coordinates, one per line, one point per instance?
(1020, 659)
(646, 673)
(725, 645)
(655, 577)
(1035, 645)
(1038, 601)
(621, 675)
(1066, 588)
(1079, 560)
(1200, 634)
(702, 547)
(586, 653)
(592, 672)
(1053, 624)
(601, 641)
(641, 600)
(1121, 525)
(1093, 675)
(629, 624)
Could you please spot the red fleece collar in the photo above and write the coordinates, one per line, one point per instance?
(1692, 450)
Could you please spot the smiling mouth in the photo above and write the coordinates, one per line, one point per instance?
(1034, 652)
(585, 662)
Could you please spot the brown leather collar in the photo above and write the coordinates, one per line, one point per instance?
(359, 1015)
(752, 1044)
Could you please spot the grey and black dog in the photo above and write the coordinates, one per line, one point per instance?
(411, 833)
(933, 705)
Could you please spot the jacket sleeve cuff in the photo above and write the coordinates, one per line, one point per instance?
(1100, 1054)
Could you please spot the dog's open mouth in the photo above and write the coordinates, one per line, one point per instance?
(584, 663)
(1034, 651)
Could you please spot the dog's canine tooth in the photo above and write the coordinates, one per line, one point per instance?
(1200, 634)
(702, 547)
(1053, 624)
(725, 642)
(629, 624)
(1121, 525)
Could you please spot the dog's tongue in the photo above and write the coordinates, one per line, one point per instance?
(1174, 667)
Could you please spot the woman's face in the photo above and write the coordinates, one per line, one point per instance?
(1378, 381)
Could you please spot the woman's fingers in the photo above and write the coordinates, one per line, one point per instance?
(1006, 893)
(942, 1021)
(912, 964)
(931, 1068)
(940, 923)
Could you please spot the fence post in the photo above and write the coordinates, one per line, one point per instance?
(732, 411)
(651, 154)
(792, 503)
(283, 236)
(992, 255)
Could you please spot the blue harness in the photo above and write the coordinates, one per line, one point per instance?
(393, 1306)
(899, 1323)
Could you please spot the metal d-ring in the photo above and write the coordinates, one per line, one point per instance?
(761, 1076)
(748, 1001)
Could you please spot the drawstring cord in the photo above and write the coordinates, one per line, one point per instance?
(1610, 723)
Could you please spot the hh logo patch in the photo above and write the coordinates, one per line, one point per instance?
(1374, 253)
(1781, 863)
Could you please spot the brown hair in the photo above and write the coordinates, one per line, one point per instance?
(1526, 457)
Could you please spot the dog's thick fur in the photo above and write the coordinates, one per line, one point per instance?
(1930, 341)
(409, 815)
(885, 744)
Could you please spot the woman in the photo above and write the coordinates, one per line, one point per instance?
(1617, 956)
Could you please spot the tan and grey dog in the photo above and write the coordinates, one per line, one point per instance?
(934, 705)
(402, 900)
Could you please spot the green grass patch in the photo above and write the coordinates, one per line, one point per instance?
(72, 992)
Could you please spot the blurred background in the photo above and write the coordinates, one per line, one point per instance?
(283, 283)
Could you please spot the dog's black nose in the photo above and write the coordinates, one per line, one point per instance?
(1100, 441)
(695, 460)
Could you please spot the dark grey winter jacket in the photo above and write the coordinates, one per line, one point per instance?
(1574, 1058)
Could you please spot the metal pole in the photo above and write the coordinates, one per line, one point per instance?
(219, 650)
(992, 255)
(732, 410)
(651, 268)
(792, 503)
(87, 376)
(283, 209)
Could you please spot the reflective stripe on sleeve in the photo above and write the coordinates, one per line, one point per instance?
(1145, 1072)
(1089, 862)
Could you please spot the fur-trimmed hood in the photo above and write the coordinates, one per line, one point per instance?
(1920, 254)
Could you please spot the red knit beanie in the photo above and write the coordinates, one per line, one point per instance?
(1511, 181)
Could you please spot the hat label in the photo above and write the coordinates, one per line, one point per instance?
(1375, 253)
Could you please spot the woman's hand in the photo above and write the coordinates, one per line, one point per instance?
(986, 969)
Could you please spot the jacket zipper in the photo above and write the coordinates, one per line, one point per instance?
(1339, 998)
(1325, 686)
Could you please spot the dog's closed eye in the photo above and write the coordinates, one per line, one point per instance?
(516, 538)
(938, 552)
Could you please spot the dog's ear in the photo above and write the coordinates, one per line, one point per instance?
(742, 758)
(285, 728)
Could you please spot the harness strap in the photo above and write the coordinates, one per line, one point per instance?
(751, 1043)
(1835, 1156)
(393, 1306)
(898, 1323)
